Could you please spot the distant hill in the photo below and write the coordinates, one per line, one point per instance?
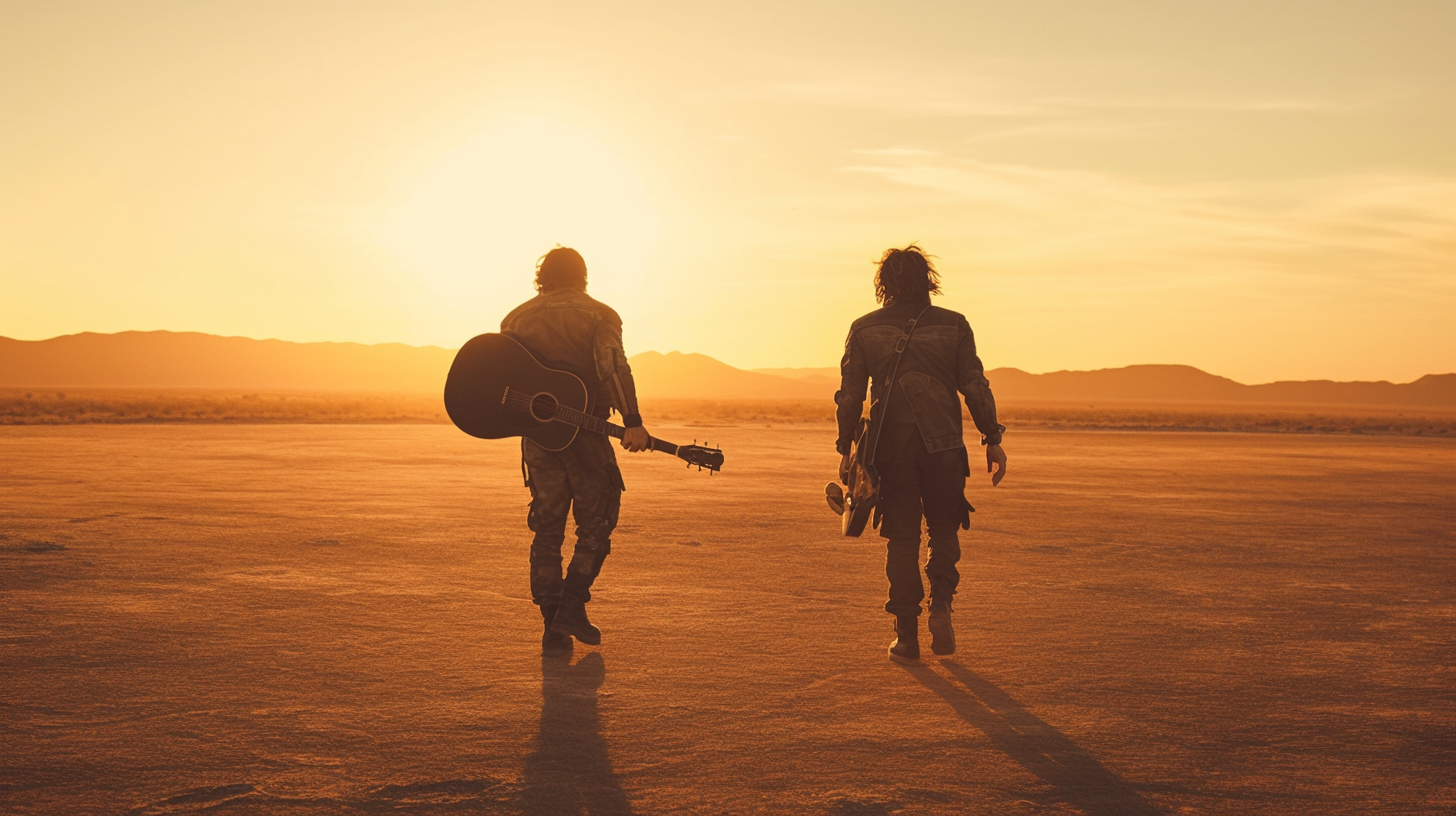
(800, 373)
(1140, 383)
(192, 360)
(825, 379)
(162, 359)
(678, 376)
(1178, 383)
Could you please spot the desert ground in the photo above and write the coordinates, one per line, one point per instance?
(85, 406)
(301, 619)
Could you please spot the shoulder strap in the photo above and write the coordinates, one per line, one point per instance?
(890, 386)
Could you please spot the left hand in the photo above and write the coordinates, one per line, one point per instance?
(636, 440)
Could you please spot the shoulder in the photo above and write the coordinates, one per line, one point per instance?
(602, 310)
(875, 318)
(890, 316)
(524, 308)
(941, 314)
(938, 316)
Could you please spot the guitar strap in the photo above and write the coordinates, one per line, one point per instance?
(890, 386)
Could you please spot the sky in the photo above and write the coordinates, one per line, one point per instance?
(1263, 190)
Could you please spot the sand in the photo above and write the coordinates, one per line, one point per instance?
(322, 619)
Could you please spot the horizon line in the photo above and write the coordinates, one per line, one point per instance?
(759, 369)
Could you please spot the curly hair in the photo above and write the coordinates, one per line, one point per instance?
(561, 268)
(905, 274)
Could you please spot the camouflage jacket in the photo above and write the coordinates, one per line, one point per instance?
(569, 330)
(939, 361)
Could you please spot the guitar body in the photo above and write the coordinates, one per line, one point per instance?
(497, 388)
(863, 490)
(489, 364)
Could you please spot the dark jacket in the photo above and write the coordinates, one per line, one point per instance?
(939, 360)
(567, 329)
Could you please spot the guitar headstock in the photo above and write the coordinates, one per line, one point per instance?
(702, 456)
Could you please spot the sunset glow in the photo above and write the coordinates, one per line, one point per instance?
(929, 408)
(485, 210)
(1262, 192)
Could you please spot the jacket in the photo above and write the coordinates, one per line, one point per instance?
(569, 330)
(939, 361)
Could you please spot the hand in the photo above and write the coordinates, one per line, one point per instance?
(636, 440)
(997, 457)
(844, 469)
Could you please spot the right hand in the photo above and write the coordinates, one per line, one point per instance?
(995, 456)
(636, 440)
(844, 469)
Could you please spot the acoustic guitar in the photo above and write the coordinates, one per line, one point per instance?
(496, 388)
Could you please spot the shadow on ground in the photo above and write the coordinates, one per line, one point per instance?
(570, 772)
(1076, 777)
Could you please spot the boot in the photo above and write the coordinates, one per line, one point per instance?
(571, 620)
(942, 634)
(553, 644)
(907, 639)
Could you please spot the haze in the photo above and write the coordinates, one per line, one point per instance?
(1262, 191)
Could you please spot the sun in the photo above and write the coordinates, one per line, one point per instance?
(474, 222)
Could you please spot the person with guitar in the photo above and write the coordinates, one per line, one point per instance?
(918, 357)
(566, 329)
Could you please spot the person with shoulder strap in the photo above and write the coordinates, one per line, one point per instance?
(918, 357)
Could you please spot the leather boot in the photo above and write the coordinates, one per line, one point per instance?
(942, 634)
(907, 639)
(571, 620)
(553, 644)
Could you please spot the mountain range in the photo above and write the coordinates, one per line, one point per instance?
(160, 359)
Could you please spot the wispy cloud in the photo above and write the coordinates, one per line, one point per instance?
(1069, 104)
(1076, 129)
(894, 151)
(1001, 89)
(907, 90)
(904, 95)
(1372, 226)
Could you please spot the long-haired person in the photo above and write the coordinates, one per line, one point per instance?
(921, 457)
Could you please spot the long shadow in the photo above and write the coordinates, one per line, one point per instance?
(570, 772)
(1075, 776)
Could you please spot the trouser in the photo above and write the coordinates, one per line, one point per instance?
(916, 483)
(582, 478)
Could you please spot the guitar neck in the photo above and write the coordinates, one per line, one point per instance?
(658, 445)
(587, 422)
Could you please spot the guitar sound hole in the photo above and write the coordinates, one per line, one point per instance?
(543, 407)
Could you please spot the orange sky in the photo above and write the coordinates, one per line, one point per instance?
(1262, 190)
